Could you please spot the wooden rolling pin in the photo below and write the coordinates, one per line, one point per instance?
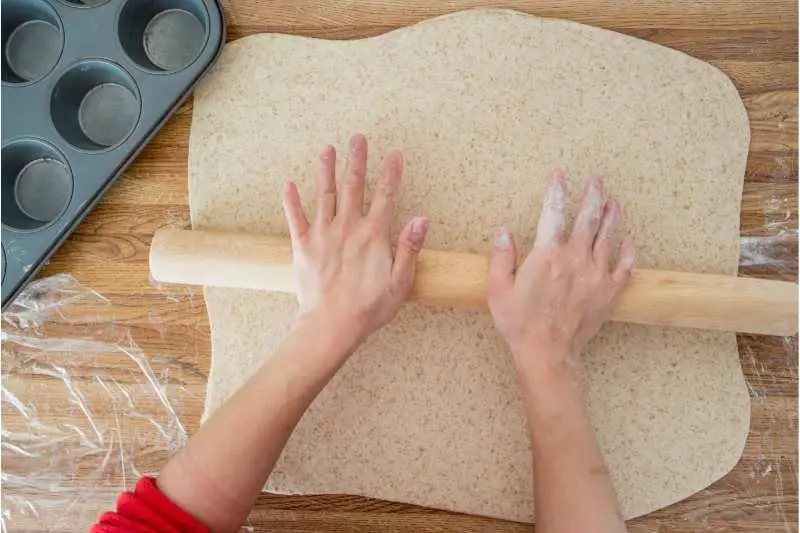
(652, 297)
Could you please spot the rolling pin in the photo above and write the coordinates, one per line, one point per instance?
(653, 297)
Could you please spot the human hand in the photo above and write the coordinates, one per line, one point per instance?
(345, 268)
(556, 301)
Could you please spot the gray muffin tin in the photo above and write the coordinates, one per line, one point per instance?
(85, 85)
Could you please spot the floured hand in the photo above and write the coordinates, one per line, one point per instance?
(346, 269)
(556, 301)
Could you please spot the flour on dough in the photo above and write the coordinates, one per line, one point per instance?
(484, 104)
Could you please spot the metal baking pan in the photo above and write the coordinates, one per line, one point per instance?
(85, 85)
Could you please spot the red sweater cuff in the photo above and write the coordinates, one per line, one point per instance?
(147, 510)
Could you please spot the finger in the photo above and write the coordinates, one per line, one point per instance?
(351, 195)
(503, 262)
(550, 229)
(604, 242)
(409, 244)
(326, 185)
(588, 221)
(383, 204)
(293, 210)
(627, 257)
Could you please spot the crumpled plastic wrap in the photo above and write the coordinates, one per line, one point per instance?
(86, 413)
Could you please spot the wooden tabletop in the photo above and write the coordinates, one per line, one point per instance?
(753, 41)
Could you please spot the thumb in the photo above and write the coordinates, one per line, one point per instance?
(409, 245)
(503, 261)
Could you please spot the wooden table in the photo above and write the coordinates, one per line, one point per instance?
(753, 41)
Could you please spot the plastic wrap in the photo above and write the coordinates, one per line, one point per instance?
(84, 412)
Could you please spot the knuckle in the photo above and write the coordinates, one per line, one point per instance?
(598, 278)
(355, 177)
(412, 245)
(375, 229)
(386, 190)
(602, 248)
(557, 275)
(622, 277)
(341, 230)
(579, 261)
(551, 255)
(405, 281)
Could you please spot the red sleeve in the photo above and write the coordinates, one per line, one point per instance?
(147, 510)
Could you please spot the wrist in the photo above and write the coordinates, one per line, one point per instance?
(546, 363)
(547, 385)
(337, 336)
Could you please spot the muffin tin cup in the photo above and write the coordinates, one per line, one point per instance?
(37, 184)
(33, 40)
(95, 105)
(163, 35)
(85, 84)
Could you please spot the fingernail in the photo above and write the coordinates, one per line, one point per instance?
(557, 190)
(395, 159)
(327, 153)
(420, 227)
(558, 175)
(355, 142)
(502, 238)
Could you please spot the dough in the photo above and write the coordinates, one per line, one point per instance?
(484, 104)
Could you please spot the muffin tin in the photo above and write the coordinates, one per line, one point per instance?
(85, 85)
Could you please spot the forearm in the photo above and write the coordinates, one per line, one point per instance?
(573, 489)
(220, 472)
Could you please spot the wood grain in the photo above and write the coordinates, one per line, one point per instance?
(753, 41)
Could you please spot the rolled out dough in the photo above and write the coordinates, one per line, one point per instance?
(484, 104)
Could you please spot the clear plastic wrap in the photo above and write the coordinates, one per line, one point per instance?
(85, 411)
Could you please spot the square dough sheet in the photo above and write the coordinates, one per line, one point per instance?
(484, 104)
